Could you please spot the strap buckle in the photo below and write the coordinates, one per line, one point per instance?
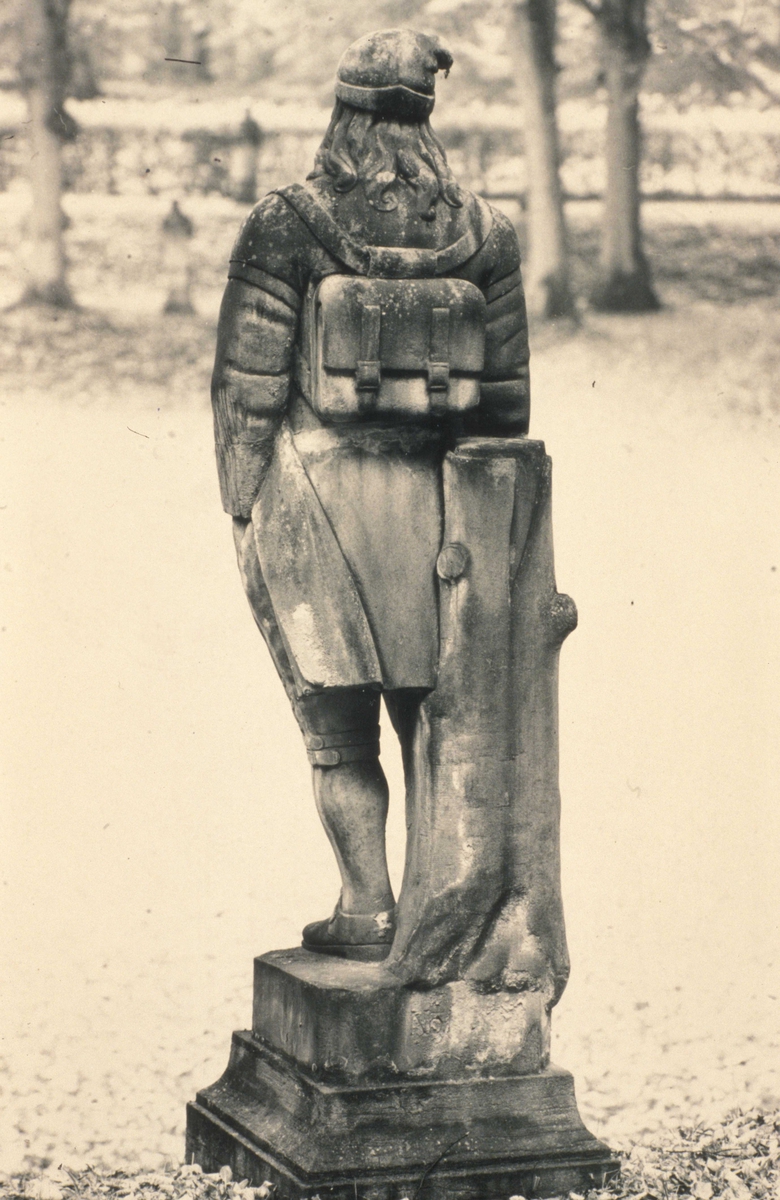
(368, 375)
(438, 376)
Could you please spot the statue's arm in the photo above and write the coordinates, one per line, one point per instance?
(505, 394)
(255, 339)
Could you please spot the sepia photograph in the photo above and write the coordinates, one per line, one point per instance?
(390, 605)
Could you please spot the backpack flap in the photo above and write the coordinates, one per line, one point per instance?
(396, 346)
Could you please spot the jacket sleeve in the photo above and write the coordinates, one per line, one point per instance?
(505, 392)
(255, 338)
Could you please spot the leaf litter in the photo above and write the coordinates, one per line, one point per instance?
(736, 1160)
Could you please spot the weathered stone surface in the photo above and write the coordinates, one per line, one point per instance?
(380, 489)
(374, 319)
(271, 1119)
(354, 1020)
(320, 615)
(481, 894)
(358, 1077)
(351, 1083)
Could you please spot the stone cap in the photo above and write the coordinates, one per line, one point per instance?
(392, 72)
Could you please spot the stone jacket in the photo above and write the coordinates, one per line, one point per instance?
(277, 256)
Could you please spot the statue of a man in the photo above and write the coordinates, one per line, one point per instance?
(371, 318)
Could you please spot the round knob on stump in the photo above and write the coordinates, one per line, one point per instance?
(452, 562)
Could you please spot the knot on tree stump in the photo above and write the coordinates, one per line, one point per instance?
(560, 616)
(452, 562)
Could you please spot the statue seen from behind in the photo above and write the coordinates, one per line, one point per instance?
(392, 526)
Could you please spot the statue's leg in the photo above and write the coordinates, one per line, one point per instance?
(352, 801)
(341, 728)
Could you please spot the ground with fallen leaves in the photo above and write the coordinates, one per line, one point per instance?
(738, 1160)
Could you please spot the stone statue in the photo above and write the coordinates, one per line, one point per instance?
(392, 526)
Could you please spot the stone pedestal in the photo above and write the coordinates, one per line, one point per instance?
(351, 1085)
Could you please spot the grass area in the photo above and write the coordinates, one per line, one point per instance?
(86, 356)
(729, 266)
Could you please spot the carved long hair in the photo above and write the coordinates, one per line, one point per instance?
(379, 152)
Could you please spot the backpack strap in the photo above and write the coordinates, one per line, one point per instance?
(386, 262)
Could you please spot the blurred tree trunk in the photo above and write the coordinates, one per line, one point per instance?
(546, 275)
(44, 73)
(625, 284)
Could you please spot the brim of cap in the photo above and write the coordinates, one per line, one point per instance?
(395, 100)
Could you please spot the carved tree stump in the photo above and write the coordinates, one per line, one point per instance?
(481, 897)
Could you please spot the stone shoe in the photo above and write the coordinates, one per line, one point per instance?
(366, 936)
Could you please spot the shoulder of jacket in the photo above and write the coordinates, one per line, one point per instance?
(273, 202)
(503, 228)
(272, 210)
(272, 230)
(502, 243)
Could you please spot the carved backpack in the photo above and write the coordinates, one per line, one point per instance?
(394, 339)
